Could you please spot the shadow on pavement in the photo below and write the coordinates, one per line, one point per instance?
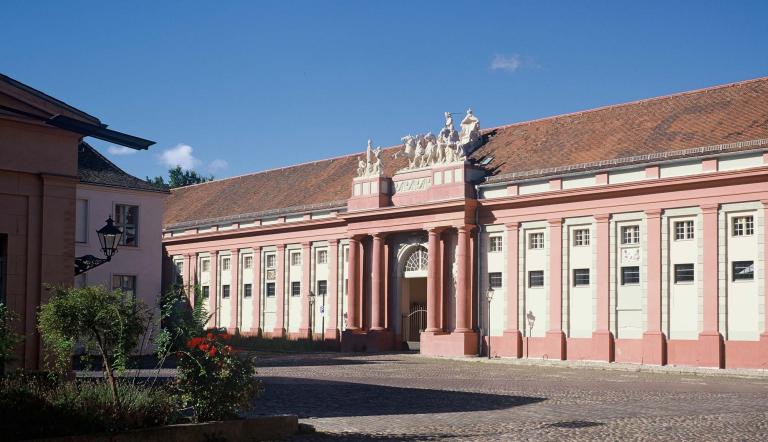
(322, 399)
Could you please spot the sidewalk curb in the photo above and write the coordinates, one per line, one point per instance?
(613, 366)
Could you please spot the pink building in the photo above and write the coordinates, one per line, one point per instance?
(629, 233)
(104, 190)
(39, 139)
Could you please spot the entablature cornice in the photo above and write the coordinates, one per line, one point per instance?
(660, 185)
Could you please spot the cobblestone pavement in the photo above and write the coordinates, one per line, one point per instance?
(410, 397)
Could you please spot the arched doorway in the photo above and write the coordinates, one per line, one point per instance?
(413, 290)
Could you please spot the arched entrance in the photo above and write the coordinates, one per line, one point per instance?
(413, 294)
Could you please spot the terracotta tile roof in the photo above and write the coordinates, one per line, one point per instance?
(723, 114)
(94, 168)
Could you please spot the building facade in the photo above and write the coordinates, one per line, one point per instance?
(104, 190)
(630, 233)
(39, 138)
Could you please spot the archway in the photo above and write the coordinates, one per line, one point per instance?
(413, 289)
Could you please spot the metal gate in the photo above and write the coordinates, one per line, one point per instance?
(413, 324)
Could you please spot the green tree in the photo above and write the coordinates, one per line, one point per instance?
(8, 338)
(178, 177)
(107, 321)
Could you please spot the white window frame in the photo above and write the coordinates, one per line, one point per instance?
(630, 234)
(743, 225)
(247, 262)
(226, 263)
(495, 243)
(270, 260)
(535, 240)
(684, 230)
(205, 265)
(81, 224)
(581, 237)
(322, 256)
(122, 225)
(295, 258)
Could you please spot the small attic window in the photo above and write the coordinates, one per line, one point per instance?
(486, 160)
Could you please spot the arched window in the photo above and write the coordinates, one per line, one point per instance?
(417, 263)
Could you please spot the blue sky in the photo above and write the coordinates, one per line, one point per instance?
(236, 87)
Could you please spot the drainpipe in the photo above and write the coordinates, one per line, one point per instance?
(477, 272)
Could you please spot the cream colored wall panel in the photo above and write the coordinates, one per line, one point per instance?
(680, 169)
(626, 175)
(536, 187)
(577, 182)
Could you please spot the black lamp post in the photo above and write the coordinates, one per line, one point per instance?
(109, 238)
(489, 296)
(311, 315)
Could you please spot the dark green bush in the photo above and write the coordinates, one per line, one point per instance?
(39, 406)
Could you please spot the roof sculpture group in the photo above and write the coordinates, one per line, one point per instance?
(427, 150)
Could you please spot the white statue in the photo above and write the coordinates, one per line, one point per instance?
(372, 166)
(448, 147)
(470, 129)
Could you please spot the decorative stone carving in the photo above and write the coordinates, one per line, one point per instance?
(448, 147)
(372, 166)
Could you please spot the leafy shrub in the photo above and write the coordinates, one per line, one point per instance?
(8, 338)
(179, 321)
(108, 321)
(213, 380)
(34, 407)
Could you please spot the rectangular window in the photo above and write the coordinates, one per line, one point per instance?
(346, 254)
(496, 244)
(536, 278)
(81, 221)
(270, 289)
(247, 290)
(536, 240)
(322, 288)
(271, 261)
(683, 230)
(225, 291)
(295, 288)
(580, 277)
(124, 283)
(224, 263)
(206, 292)
(494, 280)
(743, 270)
(127, 219)
(630, 275)
(743, 226)
(206, 265)
(581, 237)
(295, 258)
(322, 257)
(179, 266)
(630, 234)
(684, 273)
(248, 262)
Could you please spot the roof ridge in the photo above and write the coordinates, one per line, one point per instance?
(634, 102)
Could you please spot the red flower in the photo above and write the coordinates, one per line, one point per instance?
(212, 352)
(194, 342)
(203, 347)
(209, 336)
(227, 349)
